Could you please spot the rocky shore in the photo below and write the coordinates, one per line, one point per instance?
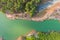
(34, 35)
(1, 38)
(33, 32)
(56, 12)
(17, 16)
(48, 12)
(25, 17)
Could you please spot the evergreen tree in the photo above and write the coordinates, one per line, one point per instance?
(16, 6)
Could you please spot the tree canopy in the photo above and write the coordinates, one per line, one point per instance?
(44, 36)
(16, 6)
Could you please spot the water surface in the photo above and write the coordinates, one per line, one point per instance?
(11, 29)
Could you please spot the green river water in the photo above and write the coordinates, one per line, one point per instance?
(11, 29)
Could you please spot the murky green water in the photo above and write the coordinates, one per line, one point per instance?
(11, 29)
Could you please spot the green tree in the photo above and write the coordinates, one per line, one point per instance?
(16, 6)
(30, 38)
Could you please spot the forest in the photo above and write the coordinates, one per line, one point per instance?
(44, 36)
(18, 6)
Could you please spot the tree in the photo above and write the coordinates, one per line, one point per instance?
(17, 6)
(30, 8)
(30, 37)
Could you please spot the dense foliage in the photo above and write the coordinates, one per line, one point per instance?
(44, 36)
(17, 6)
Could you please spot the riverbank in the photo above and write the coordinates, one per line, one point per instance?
(56, 12)
(34, 35)
(48, 12)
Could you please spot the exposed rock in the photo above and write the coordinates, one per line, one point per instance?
(20, 38)
(48, 12)
(1, 38)
(33, 32)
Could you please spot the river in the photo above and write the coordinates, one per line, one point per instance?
(11, 29)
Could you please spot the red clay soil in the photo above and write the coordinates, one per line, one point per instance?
(49, 12)
(53, 8)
